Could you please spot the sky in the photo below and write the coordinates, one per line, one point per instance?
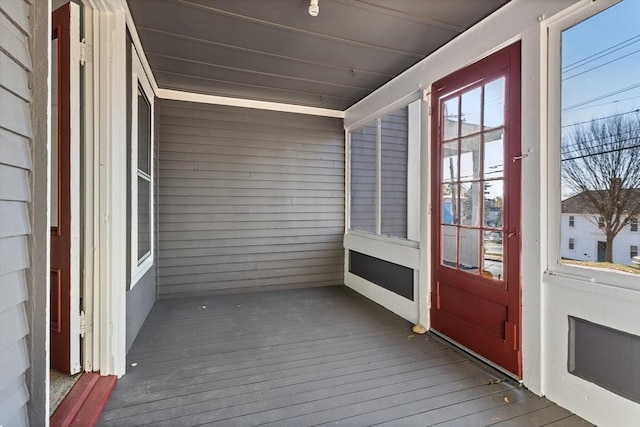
(601, 65)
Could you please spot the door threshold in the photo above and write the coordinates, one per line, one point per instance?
(441, 337)
(85, 402)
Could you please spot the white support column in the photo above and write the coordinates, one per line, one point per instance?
(107, 83)
(424, 279)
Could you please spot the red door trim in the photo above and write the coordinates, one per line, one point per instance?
(61, 235)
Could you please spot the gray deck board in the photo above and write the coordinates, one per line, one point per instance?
(307, 357)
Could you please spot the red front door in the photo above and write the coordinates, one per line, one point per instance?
(476, 221)
(60, 291)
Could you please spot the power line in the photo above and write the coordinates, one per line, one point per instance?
(571, 148)
(602, 118)
(615, 150)
(597, 98)
(574, 65)
(601, 65)
(604, 103)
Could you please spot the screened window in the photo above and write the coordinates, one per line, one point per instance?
(382, 175)
(141, 175)
(633, 224)
(572, 244)
(394, 153)
(364, 178)
(144, 177)
(597, 58)
(633, 252)
(572, 221)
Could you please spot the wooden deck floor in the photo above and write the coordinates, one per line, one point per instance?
(308, 357)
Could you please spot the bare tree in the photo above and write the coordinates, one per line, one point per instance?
(601, 164)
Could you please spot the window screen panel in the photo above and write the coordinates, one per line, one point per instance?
(363, 178)
(394, 152)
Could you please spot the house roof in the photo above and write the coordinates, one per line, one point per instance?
(580, 204)
(273, 50)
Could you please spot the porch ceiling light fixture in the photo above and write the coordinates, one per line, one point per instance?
(314, 9)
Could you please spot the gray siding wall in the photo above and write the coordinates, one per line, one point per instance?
(248, 199)
(15, 164)
(140, 300)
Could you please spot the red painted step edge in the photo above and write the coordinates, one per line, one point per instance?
(74, 400)
(85, 402)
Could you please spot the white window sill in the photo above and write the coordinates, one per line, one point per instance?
(594, 281)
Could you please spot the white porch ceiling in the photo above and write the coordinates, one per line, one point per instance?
(273, 50)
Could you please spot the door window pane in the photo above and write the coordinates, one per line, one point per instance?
(493, 203)
(450, 161)
(469, 244)
(494, 154)
(470, 158)
(450, 119)
(492, 251)
(449, 245)
(470, 203)
(494, 103)
(471, 112)
(449, 204)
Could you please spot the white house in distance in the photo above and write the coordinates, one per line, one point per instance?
(584, 240)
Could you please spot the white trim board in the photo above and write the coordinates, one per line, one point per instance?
(177, 95)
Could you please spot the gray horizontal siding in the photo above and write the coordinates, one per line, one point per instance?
(248, 199)
(15, 164)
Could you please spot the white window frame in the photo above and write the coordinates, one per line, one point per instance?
(140, 80)
(413, 175)
(570, 17)
(572, 244)
(633, 223)
(572, 221)
(631, 255)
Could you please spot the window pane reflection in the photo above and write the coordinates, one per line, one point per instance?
(469, 244)
(449, 240)
(470, 158)
(494, 103)
(450, 161)
(493, 203)
(494, 154)
(449, 204)
(450, 119)
(470, 204)
(492, 266)
(471, 112)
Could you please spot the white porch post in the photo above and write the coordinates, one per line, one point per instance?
(106, 96)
